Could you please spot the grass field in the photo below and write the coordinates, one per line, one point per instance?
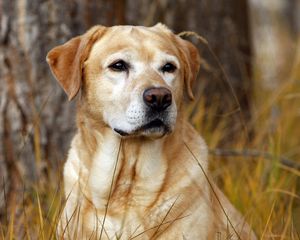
(251, 173)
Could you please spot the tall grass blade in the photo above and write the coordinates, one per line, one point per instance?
(110, 190)
(213, 190)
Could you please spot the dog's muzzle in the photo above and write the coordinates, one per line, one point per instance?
(157, 101)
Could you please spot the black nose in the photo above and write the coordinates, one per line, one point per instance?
(157, 98)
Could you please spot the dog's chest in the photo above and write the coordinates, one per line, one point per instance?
(128, 181)
(127, 173)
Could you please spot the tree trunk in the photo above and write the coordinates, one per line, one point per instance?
(37, 121)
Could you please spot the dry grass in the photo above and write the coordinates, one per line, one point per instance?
(266, 191)
(261, 187)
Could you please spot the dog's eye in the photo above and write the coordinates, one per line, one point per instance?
(168, 67)
(119, 66)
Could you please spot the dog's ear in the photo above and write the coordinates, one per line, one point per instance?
(66, 61)
(191, 60)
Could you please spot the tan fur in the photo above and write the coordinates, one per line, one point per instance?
(143, 186)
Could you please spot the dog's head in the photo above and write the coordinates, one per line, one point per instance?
(131, 78)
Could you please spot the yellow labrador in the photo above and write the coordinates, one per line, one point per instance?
(136, 168)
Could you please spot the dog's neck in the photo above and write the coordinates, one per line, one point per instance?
(116, 163)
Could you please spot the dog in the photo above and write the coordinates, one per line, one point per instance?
(136, 168)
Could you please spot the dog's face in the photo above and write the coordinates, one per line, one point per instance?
(132, 78)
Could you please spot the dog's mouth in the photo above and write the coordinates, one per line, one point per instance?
(156, 128)
(121, 132)
(155, 124)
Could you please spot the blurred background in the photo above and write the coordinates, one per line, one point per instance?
(247, 103)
